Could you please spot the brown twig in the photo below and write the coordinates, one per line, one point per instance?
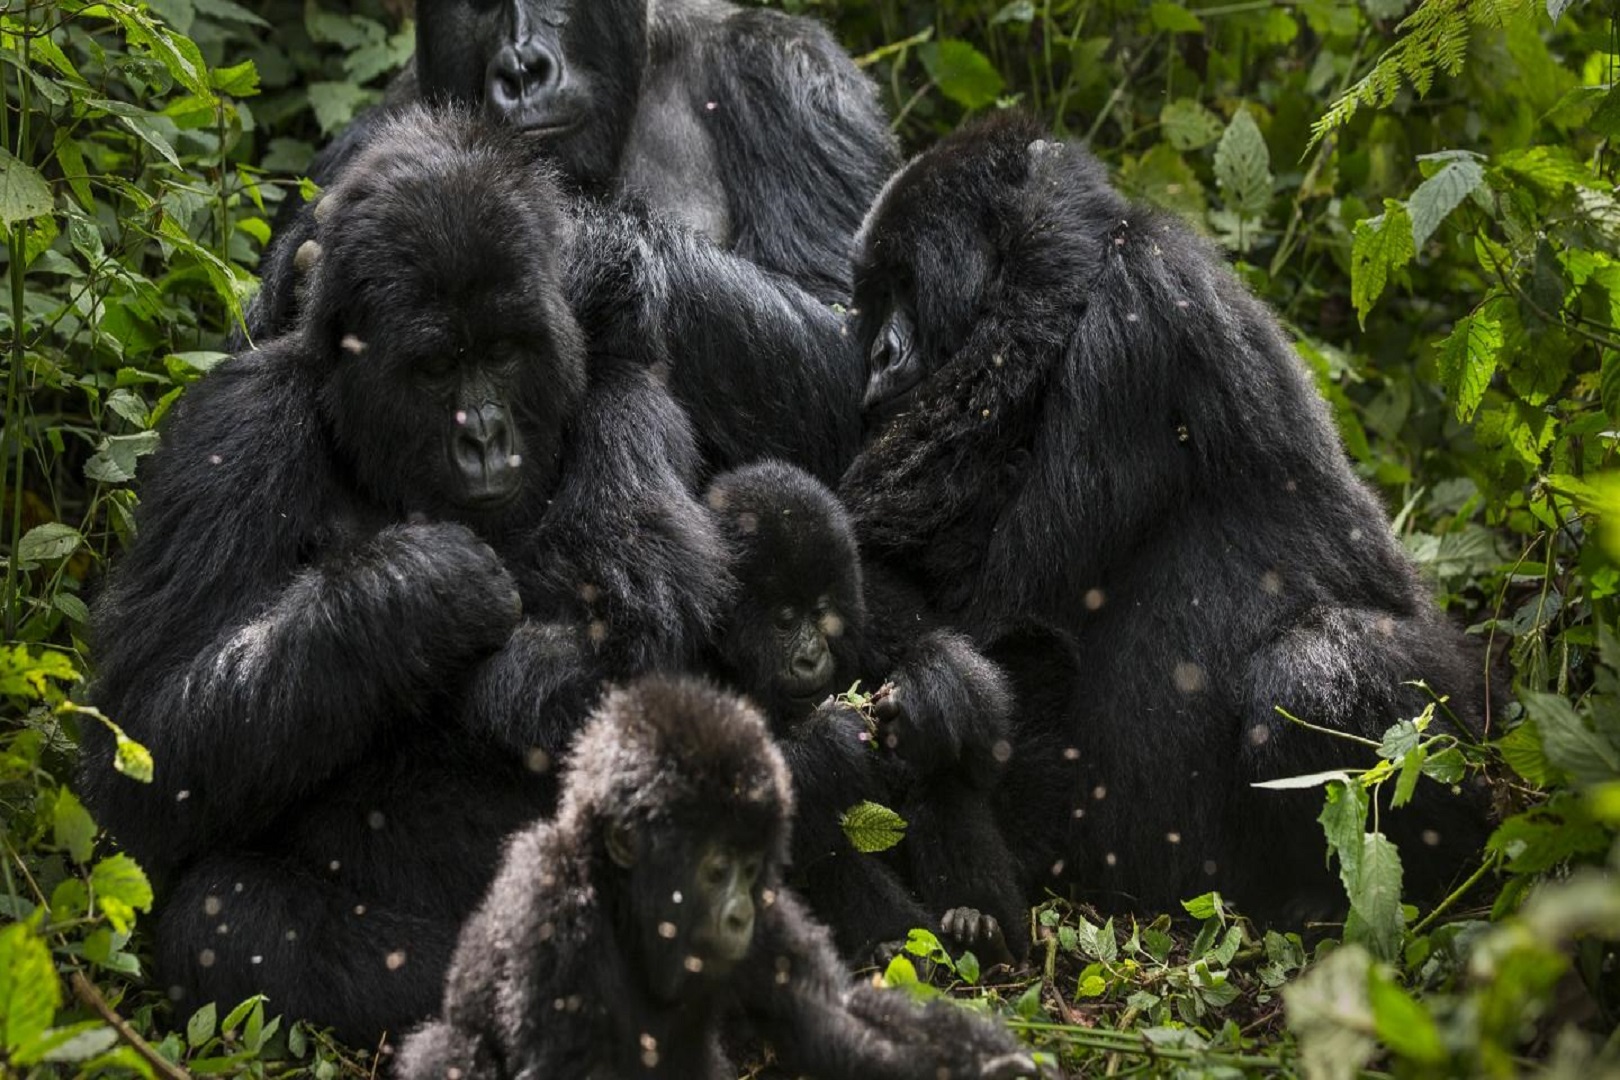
(91, 998)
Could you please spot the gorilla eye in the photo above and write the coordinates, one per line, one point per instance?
(893, 340)
(751, 869)
(439, 364)
(716, 869)
(785, 616)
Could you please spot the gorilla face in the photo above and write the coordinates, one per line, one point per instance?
(567, 72)
(452, 362)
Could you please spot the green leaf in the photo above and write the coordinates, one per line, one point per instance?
(1329, 1009)
(1448, 766)
(1174, 18)
(200, 1028)
(871, 827)
(1440, 194)
(240, 80)
(1188, 125)
(1381, 246)
(1404, 1025)
(114, 462)
(1606, 118)
(1399, 740)
(1411, 770)
(75, 1043)
(1376, 896)
(234, 1018)
(1521, 749)
(963, 73)
(24, 194)
(1019, 11)
(1468, 358)
(44, 543)
(1207, 906)
(120, 889)
(1343, 820)
(967, 966)
(335, 103)
(30, 992)
(1587, 756)
(72, 828)
(1028, 1006)
(1243, 166)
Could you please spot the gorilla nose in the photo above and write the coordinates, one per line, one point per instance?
(522, 76)
(484, 451)
(812, 670)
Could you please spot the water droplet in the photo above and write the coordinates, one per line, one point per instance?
(1095, 599)
(212, 905)
(1001, 751)
(359, 909)
(515, 461)
(1259, 735)
(1173, 837)
(376, 819)
(255, 959)
(1071, 753)
(1189, 677)
(206, 958)
(537, 760)
(1431, 838)
(1110, 858)
(666, 930)
(352, 345)
(1100, 792)
(748, 522)
(694, 964)
(676, 897)
(395, 960)
(334, 866)
(1209, 867)
(215, 459)
(461, 417)
(1271, 583)
(1057, 868)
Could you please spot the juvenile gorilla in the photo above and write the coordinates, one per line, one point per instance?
(749, 129)
(798, 632)
(1077, 413)
(617, 939)
(383, 565)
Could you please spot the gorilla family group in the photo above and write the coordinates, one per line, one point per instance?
(620, 370)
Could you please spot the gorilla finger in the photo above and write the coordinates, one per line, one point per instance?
(1009, 1066)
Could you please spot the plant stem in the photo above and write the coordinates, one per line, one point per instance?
(1457, 894)
(15, 251)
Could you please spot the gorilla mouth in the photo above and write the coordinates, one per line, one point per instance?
(545, 125)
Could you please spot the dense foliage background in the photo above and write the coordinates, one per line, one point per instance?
(1426, 196)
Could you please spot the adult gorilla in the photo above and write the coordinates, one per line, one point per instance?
(1082, 417)
(751, 128)
(384, 565)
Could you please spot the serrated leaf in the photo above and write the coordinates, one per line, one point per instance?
(78, 1042)
(1440, 194)
(1343, 820)
(1381, 246)
(1446, 767)
(1328, 1009)
(1206, 906)
(1468, 359)
(967, 966)
(1411, 769)
(962, 72)
(1521, 749)
(1243, 167)
(1376, 897)
(1606, 117)
(72, 828)
(335, 103)
(71, 606)
(114, 462)
(1401, 739)
(1188, 125)
(1586, 755)
(30, 992)
(24, 194)
(121, 889)
(872, 828)
(1019, 11)
(234, 1018)
(43, 543)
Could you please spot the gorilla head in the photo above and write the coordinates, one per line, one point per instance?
(567, 72)
(795, 634)
(449, 362)
(928, 284)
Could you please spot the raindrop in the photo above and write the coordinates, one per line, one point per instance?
(748, 522)
(352, 345)
(597, 631)
(985, 414)
(768, 897)
(1271, 582)
(212, 905)
(1100, 792)
(461, 417)
(292, 935)
(177, 993)
(1079, 812)
(1209, 867)
(676, 896)
(376, 819)
(452, 1073)
(215, 459)
(256, 959)
(515, 461)
(223, 928)
(546, 930)
(1057, 868)
(589, 593)
(1431, 838)
(1173, 837)
(1183, 304)
(711, 105)
(1095, 599)
(1189, 677)
(334, 866)
(182, 796)
(1259, 735)
(206, 958)
(537, 760)
(1291, 487)
(1110, 858)
(694, 964)
(359, 909)
(1071, 753)
(395, 960)
(1355, 535)
(1001, 751)
(1131, 316)
(998, 360)
(666, 930)
(237, 887)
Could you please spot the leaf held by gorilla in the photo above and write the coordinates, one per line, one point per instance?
(872, 827)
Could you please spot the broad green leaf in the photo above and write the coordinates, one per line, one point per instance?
(72, 828)
(1521, 749)
(963, 73)
(335, 103)
(1606, 118)
(1188, 125)
(1243, 166)
(1376, 897)
(967, 966)
(70, 156)
(1401, 739)
(236, 1016)
(120, 889)
(29, 989)
(1343, 819)
(1174, 18)
(240, 80)
(114, 462)
(75, 1043)
(1468, 358)
(1207, 906)
(1404, 1025)
(1381, 246)
(1586, 755)
(44, 543)
(1440, 194)
(1411, 770)
(24, 194)
(202, 1025)
(871, 827)
(1447, 767)
(1019, 11)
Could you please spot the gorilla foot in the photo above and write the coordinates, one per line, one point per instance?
(979, 933)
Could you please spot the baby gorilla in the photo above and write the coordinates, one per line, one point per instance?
(798, 633)
(617, 938)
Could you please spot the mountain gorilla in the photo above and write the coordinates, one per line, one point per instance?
(750, 128)
(800, 631)
(383, 566)
(1080, 415)
(617, 939)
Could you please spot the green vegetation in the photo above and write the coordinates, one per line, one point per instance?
(1425, 194)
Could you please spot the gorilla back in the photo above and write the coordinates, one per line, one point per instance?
(353, 616)
(1078, 414)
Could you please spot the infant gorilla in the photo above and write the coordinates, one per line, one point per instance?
(617, 938)
(798, 632)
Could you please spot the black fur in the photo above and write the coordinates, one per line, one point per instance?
(800, 631)
(558, 974)
(352, 678)
(1079, 415)
(749, 129)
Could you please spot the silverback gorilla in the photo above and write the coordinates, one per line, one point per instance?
(749, 128)
(383, 565)
(1077, 414)
(618, 939)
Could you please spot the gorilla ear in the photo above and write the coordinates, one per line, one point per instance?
(620, 840)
